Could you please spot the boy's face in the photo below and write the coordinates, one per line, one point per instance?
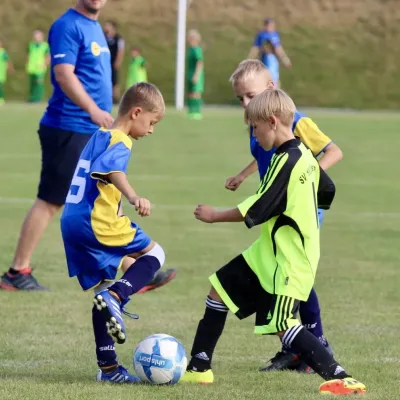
(265, 132)
(248, 88)
(143, 122)
(38, 36)
(135, 52)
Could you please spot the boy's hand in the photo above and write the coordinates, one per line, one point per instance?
(195, 79)
(142, 206)
(234, 182)
(205, 213)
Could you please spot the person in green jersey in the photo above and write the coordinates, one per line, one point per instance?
(36, 67)
(194, 75)
(137, 68)
(272, 276)
(5, 66)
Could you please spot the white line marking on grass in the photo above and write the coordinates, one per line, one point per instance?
(32, 364)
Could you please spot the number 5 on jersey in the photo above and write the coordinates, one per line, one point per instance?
(78, 181)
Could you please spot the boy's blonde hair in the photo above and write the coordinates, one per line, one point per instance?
(144, 95)
(271, 102)
(195, 34)
(248, 69)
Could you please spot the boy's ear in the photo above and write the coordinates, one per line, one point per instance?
(135, 112)
(273, 121)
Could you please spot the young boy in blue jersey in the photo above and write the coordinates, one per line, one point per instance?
(278, 270)
(249, 79)
(98, 238)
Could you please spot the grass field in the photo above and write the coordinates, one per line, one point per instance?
(46, 341)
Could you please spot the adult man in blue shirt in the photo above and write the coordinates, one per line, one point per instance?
(80, 103)
(268, 48)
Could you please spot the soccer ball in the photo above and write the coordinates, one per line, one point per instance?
(160, 359)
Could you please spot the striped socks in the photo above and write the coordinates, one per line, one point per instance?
(208, 332)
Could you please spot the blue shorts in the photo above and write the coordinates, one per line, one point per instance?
(91, 261)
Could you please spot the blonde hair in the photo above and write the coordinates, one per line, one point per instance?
(248, 69)
(271, 102)
(145, 95)
(195, 34)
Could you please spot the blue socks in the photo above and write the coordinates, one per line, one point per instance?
(138, 275)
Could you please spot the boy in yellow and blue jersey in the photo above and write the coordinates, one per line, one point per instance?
(250, 78)
(278, 270)
(98, 238)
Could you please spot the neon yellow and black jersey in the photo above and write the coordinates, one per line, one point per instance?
(95, 236)
(286, 255)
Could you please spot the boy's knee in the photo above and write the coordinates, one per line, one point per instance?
(157, 252)
(213, 295)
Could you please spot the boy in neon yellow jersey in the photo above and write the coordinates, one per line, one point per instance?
(36, 67)
(272, 276)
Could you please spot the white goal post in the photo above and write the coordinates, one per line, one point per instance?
(180, 54)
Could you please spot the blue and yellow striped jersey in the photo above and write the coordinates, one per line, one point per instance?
(91, 210)
(303, 128)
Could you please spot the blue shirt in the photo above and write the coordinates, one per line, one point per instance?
(77, 40)
(303, 128)
(267, 42)
(90, 217)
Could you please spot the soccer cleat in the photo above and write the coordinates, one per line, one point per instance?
(342, 387)
(120, 375)
(202, 378)
(24, 280)
(282, 361)
(161, 278)
(112, 311)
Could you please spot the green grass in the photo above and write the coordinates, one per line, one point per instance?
(46, 341)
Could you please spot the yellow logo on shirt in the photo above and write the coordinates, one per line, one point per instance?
(96, 49)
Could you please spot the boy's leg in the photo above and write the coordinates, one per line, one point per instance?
(1, 93)
(281, 320)
(338, 381)
(234, 286)
(286, 359)
(138, 273)
(310, 315)
(109, 369)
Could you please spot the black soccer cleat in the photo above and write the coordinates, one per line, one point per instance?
(24, 280)
(282, 361)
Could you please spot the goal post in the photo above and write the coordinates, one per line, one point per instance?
(180, 54)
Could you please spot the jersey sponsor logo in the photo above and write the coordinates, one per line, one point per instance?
(59, 56)
(96, 49)
(303, 177)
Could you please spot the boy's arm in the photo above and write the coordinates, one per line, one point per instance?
(234, 182)
(318, 142)
(326, 190)
(119, 180)
(330, 156)
(279, 51)
(269, 201)
(208, 214)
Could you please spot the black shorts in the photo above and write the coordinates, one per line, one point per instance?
(114, 76)
(60, 154)
(241, 291)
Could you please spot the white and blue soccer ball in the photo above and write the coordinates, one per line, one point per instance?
(160, 359)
